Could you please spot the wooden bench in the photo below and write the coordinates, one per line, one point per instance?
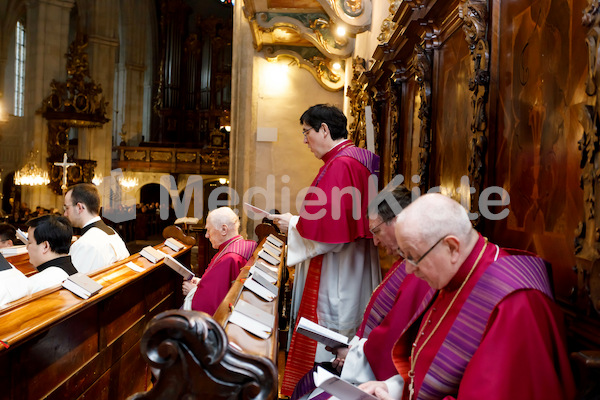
(59, 346)
(200, 356)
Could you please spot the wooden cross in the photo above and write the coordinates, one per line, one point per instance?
(65, 165)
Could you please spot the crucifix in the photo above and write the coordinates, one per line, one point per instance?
(65, 165)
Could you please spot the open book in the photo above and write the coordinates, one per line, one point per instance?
(179, 268)
(338, 387)
(22, 236)
(321, 334)
(152, 255)
(187, 220)
(82, 285)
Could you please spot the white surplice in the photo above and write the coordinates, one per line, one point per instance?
(349, 274)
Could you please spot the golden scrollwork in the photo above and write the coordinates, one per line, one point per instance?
(135, 155)
(388, 25)
(186, 157)
(358, 100)
(475, 21)
(423, 70)
(161, 156)
(79, 100)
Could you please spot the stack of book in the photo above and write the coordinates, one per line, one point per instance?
(82, 285)
(152, 255)
(174, 244)
(252, 319)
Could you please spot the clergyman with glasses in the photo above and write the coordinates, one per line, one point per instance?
(493, 331)
(337, 265)
(99, 244)
(391, 316)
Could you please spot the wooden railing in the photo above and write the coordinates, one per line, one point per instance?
(211, 161)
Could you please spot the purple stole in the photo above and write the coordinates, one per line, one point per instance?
(382, 299)
(501, 278)
(363, 156)
(237, 245)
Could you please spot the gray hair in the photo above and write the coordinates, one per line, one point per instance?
(433, 216)
(224, 216)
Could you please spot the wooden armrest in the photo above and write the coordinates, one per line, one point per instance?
(195, 360)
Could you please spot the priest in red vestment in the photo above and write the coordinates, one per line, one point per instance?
(222, 230)
(493, 332)
(392, 312)
(337, 265)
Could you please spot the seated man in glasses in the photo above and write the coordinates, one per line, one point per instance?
(99, 245)
(493, 331)
(394, 306)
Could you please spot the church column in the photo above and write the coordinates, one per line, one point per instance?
(47, 31)
(132, 69)
(100, 21)
(242, 147)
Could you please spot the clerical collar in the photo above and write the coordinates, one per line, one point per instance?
(97, 224)
(336, 149)
(62, 262)
(464, 269)
(91, 221)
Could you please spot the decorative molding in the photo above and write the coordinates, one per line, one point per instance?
(423, 72)
(394, 91)
(587, 256)
(135, 155)
(186, 157)
(313, 61)
(358, 100)
(355, 14)
(161, 156)
(388, 26)
(79, 100)
(475, 17)
(315, 28)
(192, 352)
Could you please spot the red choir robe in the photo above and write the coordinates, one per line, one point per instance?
(522, 353)
(333, 218)
(221, 272)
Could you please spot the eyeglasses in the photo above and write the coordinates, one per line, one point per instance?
(413, 262)
(376, 229)
(305, 131)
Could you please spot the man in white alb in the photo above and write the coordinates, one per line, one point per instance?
(99, 245)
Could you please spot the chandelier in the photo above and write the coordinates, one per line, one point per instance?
(31, 174)
(128, 183)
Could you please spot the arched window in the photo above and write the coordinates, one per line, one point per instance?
(19, 69)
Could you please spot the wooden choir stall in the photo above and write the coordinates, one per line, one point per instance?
(199, 356)
(56, 345)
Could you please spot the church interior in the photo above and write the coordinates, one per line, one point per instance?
(494, 103)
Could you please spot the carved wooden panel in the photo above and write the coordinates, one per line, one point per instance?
(453, 114)
(540, 93)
